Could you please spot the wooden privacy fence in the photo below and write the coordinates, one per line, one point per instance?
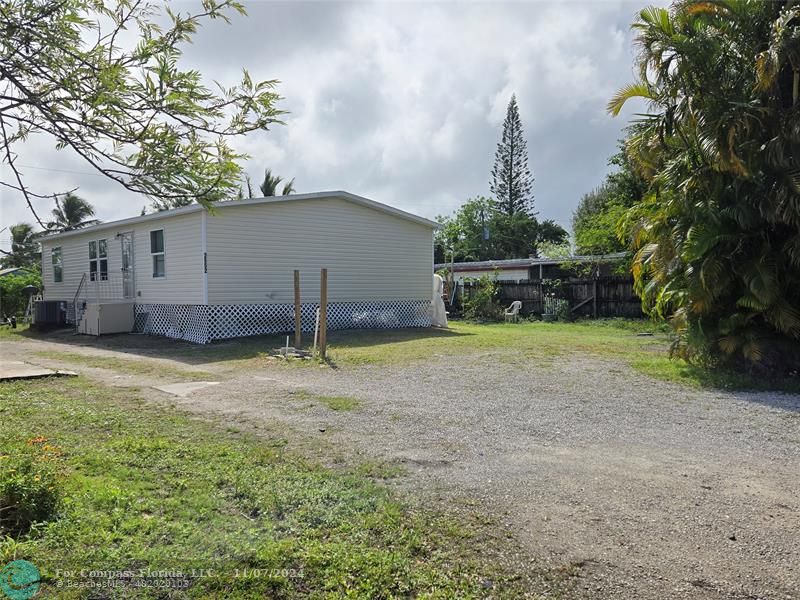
(603, 297)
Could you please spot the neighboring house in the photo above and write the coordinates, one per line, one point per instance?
(199, 276)
(527, 269)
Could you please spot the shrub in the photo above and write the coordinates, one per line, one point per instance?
(30, 486)
(562, 311)
(554, 301)
(481, 303)
(14, 299)
(558, 307)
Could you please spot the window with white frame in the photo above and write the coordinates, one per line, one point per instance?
(98, 260)
(157, 251)
(58, 265)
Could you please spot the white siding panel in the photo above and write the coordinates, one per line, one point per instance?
(370, 255)
(75, 261)
(183, 259)
(183, 283)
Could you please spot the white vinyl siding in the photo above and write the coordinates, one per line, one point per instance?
(74, 263)
(252, 251)
(183, 283)
(370, 255)
(183, 278)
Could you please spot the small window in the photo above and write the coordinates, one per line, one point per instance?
(98, 260)
(157, 250)
(58, 265)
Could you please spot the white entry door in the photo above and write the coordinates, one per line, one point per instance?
(128, 275)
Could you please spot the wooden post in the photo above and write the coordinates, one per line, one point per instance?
(298, 317)
(323, 312)
(594, 298)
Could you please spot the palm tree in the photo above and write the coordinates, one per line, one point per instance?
(269, 187)
(24, 247)
(73, 212)
(717, 237)
(288, 188)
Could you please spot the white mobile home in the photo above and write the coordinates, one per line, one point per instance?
(200, 276)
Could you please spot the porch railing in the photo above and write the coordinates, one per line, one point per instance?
(106, 288)
(78, 306)
(97, 288)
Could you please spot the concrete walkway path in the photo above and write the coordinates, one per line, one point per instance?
(16, 369)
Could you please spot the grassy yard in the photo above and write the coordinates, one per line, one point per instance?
(125, 365)
(144, 488)
(148, 488)
(641, 344)
(622, 339)
(619, 339)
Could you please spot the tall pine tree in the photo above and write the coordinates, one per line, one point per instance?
(511, 179)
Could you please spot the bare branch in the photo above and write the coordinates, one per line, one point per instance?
(10, 160)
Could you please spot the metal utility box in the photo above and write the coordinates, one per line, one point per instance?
(99, 319)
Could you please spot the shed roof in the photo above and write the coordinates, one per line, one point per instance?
(338, 194)
(12, 270)
(524, 263)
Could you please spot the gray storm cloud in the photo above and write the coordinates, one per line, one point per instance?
(403, 102)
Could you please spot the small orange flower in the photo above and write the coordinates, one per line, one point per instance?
(37, 440)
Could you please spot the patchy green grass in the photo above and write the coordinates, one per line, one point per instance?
(641, 344)
(133, 366)
(679, 371)
(242, 517)
(380, 470)
(337, 403)
(626, 340)
(7, 332)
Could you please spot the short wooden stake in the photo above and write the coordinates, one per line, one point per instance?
(323, 312)
(298, 317)
(316, 329)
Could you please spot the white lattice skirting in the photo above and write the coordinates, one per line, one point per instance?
(202, 324)
(183, 321)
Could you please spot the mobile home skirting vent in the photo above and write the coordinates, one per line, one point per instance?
(182, 321)
(204, 323)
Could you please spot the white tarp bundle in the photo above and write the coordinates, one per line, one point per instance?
(438, 312)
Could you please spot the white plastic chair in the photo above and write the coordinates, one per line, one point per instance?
(512, 312)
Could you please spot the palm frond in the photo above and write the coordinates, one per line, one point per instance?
(633, 90)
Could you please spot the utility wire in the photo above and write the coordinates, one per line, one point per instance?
(60, 170)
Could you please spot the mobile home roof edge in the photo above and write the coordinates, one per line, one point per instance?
(247, 202)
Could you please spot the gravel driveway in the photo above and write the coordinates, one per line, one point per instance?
(652, 489)
(645, 489)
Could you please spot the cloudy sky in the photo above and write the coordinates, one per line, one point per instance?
(404, 102)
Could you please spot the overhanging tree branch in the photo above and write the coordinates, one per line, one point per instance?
(10, 161)
(131, 114)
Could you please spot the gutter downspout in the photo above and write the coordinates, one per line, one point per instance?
(204, 251)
